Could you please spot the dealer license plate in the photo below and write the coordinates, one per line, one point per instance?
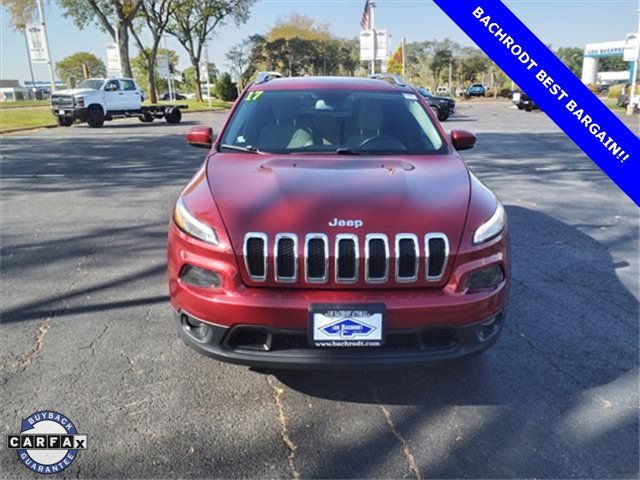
(61, 112)
(346, 325)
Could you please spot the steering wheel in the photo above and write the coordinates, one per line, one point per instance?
(382, 138)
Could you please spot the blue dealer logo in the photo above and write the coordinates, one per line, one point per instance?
(48, 442)
(348, 328)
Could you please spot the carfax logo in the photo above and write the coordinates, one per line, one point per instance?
(48, 442)
(348, 328)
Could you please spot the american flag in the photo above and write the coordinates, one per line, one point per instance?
(365, 21)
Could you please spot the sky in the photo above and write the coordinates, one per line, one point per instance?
(556, 22)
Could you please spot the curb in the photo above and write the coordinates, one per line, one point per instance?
(44, 127)
(28, 129)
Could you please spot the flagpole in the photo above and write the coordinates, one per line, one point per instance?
(372, 8)
(403, 74)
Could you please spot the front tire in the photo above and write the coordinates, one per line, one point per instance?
(95, 117)
(64, 121)
(442, 116)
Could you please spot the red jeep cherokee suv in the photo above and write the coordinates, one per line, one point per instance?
(334, 224)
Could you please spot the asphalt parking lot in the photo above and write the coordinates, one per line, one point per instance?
(87, 330)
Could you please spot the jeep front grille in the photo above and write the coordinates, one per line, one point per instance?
(316, 261)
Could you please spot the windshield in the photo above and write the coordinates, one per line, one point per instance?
(92, 84)
(337, 121)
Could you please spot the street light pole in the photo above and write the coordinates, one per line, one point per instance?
(46, 41)
(631, 105)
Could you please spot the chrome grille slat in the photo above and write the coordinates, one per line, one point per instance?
(252, 258)
(407, 247)
(372, 258)
(349, 260)
(436, 247)
(316, 258)
(285, 257)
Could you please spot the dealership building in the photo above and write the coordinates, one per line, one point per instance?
(593, 52)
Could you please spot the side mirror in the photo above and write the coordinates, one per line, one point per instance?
(110, 88)
(462, 139)
(201, 137)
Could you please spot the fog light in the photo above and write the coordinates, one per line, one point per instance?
(195, 327)
(200, 277)
(489, 327)
(485, 278)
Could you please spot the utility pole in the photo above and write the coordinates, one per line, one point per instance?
(206, 59)
(631, 106)
(46, 41)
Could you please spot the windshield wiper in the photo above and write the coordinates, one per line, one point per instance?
(239, 148)
(347, 151)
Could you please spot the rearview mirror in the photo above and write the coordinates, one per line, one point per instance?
(462, 139)
(201, 137)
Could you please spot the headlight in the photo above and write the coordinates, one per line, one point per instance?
(79, 101)
(492, 227)
(192, 226)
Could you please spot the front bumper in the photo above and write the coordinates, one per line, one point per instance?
(77, 113)
(412, 314)
(289, 349)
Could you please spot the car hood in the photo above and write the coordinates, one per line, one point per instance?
(74, 91)
(303, 194)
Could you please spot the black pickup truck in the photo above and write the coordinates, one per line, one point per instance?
(442, 106)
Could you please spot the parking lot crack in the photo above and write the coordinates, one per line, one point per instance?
(406, 450)
(27, 358)
(546, 356)
(284, 433)
(97, 339)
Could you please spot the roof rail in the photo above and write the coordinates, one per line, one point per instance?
(264, 77)
(389, 77)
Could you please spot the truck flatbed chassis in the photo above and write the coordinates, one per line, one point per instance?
(95, 117)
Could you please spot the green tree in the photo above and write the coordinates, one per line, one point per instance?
(471, 67)
(238, 57)
(114, 17)
(612, 64)
(299, 26)
(81, 65)
(194, 21)
(225, 89)
(349, 56)
(188, 83)
(20, 12)
(155, 15)
(441, 60)
(572, 58)
(141, 75)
